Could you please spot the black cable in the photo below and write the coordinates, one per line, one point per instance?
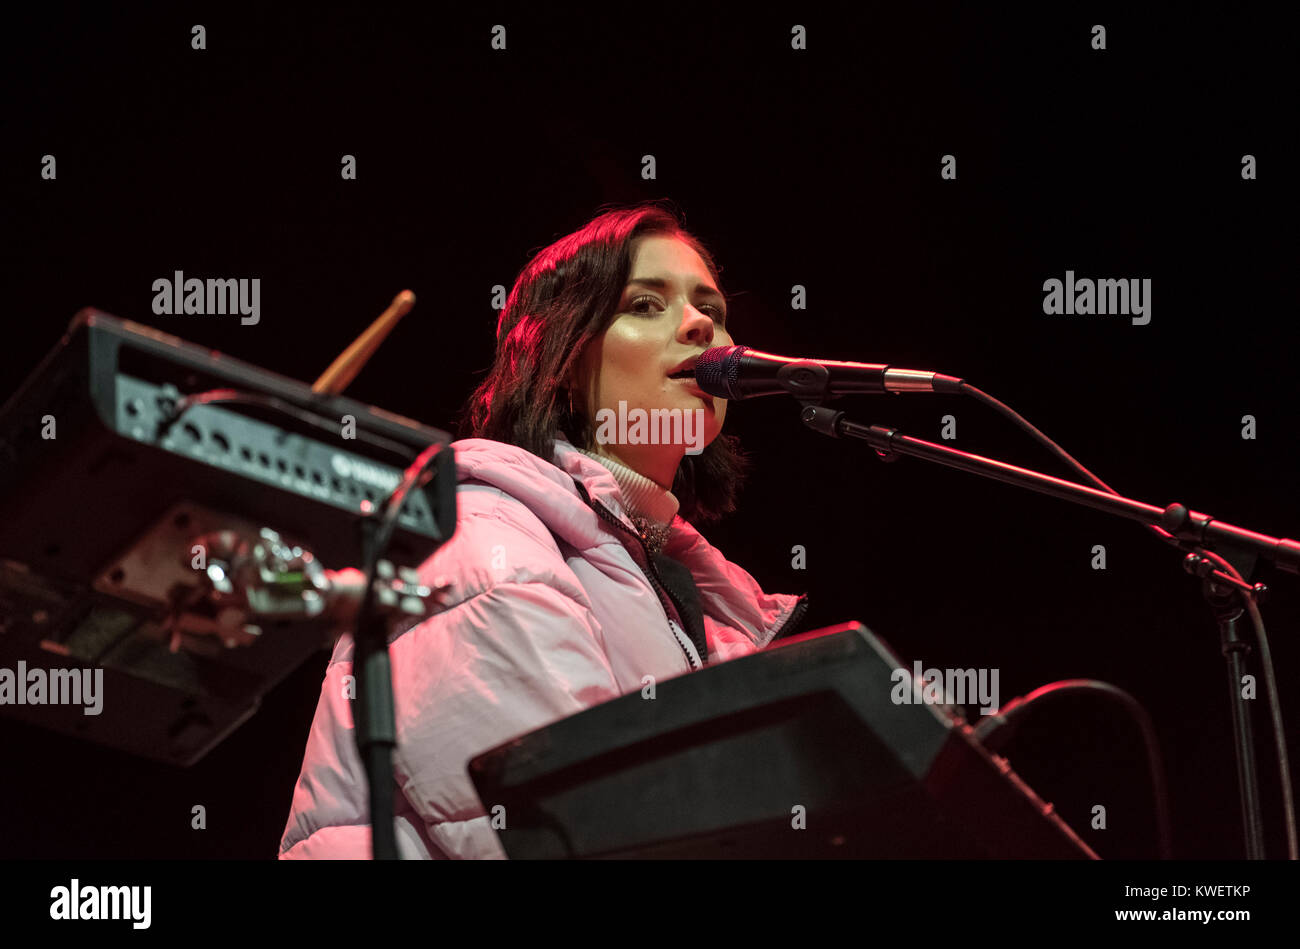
(1024, 425)
(1011, 713)
(1247, 593)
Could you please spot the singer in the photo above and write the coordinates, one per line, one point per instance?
(576, 570)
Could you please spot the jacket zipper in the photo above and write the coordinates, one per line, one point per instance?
(665, 598)
(796, 615)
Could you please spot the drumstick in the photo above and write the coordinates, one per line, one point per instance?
(345, 368)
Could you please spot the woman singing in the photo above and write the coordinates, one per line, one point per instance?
(575, 570)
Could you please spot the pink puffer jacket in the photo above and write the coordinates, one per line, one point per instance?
(551, 612)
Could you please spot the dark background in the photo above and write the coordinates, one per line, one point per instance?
(818, 168)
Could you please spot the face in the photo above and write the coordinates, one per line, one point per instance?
(670, 311)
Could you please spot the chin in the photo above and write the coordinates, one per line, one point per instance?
(710, 436)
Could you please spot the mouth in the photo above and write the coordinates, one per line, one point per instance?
(685, 369)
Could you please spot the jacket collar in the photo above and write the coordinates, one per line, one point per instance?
(727, 592)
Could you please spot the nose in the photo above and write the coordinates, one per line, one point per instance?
(697, 326)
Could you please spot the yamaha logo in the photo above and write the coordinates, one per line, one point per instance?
(369, 474)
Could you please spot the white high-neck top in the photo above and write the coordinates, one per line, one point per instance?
(642, 496)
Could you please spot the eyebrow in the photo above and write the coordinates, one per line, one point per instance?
(659, 283)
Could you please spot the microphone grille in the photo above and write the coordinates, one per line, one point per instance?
(718, 368)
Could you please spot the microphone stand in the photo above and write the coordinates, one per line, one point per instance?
(1191, 528)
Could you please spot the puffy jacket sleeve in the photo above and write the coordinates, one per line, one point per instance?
(517, 648)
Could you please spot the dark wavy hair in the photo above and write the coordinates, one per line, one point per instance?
(564, 299)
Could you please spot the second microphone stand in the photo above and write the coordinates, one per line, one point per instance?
(1192, 530)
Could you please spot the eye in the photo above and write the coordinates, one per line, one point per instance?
(719, 315)
(636, 303)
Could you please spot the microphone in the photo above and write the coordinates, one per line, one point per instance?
(738, 372)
